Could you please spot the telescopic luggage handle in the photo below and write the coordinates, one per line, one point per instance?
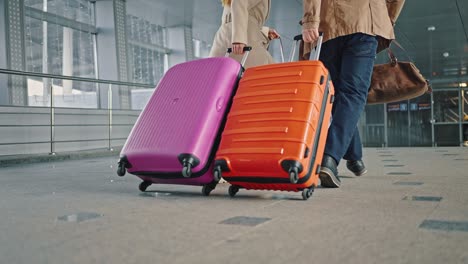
(247, 50)
(317, 48)
(281, 49)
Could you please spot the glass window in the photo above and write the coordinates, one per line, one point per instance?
(371, 126)
(397, 124)
(147, 56)
(447, 135)
(446, 106)
(201, 49)
(420, 121)
(375, 114)
(64, 46)
(52, 47)
(77, 10)
(373, 136)
(146, 50)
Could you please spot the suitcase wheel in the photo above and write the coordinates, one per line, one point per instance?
(233, 190)
(206, 190)
(144, 185)
(217, 173)
(121, 170)
(122, 166)
(187, 170)
(293, 168)
(188, 161)
(307, 193)
(293, 175)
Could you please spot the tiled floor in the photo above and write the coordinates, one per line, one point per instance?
(411, 207)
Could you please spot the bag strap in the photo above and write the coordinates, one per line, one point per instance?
(398, 45)
(393, 59)
(391, 55)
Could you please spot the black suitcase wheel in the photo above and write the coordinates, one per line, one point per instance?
(121, 170)
(307, 193)
(187, 170)
(206, 190)
(217, 173)
(293, 175)
(144, 185)
(233, 190)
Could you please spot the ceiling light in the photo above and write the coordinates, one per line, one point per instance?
(430, 28)
(463, 84)
(445, 54)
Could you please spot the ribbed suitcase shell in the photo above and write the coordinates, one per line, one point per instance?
(281, 112)
(184, 115)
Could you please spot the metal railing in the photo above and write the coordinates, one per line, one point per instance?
(52, 125)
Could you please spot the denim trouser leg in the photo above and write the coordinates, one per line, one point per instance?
(350, 60)
(354, 151)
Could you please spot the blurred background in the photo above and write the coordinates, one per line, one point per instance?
(75, 74)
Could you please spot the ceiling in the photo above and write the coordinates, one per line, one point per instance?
(425, 48)
(450, 19)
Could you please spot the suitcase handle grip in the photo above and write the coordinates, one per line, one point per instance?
(298, 37)
(246, 50)
(317, 48)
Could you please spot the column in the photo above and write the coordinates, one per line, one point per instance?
(14, 27)
(67, 59)
(4, 91)
(179, 38)
(112, 49)
(120, 19)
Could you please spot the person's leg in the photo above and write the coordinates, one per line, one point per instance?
(354, 151)
(353, 155)
(351, 92)
(357, 62)
(331, 54)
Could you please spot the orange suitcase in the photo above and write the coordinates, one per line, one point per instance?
(276, 131)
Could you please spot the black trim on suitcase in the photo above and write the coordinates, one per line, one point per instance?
(268, 180)
(178, 175)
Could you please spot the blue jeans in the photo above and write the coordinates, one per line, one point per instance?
(350, 60)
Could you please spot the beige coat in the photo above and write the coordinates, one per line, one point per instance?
(337, 18)
(242, 22)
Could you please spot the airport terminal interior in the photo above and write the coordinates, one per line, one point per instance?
(76, 74)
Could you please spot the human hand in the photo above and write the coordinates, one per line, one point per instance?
(272, 34)
(238, 48)
(310, 34)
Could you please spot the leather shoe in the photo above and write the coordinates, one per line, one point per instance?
(357, 167)
(329, 173)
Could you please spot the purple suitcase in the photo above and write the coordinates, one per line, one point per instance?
(176, 135)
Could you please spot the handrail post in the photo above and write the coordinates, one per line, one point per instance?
(52, 119)
(109, 107)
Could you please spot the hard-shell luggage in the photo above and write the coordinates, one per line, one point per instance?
(276, 131)
(176, 135)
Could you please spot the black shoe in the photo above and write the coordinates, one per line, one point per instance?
(357, 167)
(329, 173)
